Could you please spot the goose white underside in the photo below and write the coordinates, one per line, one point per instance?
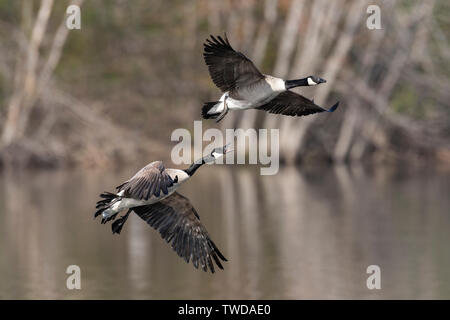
(254, 95)
(126, 203)
(234, 104)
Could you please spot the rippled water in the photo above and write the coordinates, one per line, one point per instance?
(301, 234)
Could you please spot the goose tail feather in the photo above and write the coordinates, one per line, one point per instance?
(103, 206)
(207, 106)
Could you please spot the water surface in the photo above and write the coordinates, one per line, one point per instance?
(302, 234)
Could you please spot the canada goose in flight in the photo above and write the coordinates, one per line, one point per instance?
(151, 194)
(244, 87)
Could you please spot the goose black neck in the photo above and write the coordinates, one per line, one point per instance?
(191, 170)
(296, 83)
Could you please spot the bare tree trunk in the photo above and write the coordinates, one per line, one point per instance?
(260, 44)
(214, 14)
(34, 82)
(270, 15)
(308, 55)
(288, 40)
(21, 97)
(286, 49)
(395, 67)
(234, 21)
(352, 113)
(295, 135)
(47, 71)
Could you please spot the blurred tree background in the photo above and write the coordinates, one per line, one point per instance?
(116, 89)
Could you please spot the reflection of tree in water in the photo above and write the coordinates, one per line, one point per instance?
(317, 231)
(307, 233)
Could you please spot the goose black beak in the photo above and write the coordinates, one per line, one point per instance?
(322, 80)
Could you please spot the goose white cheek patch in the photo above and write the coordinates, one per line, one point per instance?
(217, 155)
(311, 82)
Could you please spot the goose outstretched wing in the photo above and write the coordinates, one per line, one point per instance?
(292, 104)
(228, 69)
(179, 224)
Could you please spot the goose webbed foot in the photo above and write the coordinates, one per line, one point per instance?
(118, 224)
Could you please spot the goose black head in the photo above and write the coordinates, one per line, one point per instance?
(210, 158)
(313, 80)
(217, 153)
(308, 81)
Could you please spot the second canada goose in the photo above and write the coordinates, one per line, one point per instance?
(150, 193)
(245, 87)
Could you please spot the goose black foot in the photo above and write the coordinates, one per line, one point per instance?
(118, 224)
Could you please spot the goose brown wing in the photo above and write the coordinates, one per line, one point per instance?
(292, 104)
(152, 180)
(228, 69)
(179, 224)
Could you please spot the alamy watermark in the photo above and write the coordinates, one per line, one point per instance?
(74, 280)
(374, 280)
(373, 22)
(257, 146)
(73, 20)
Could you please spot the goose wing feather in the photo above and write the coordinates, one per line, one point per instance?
(229, 69)
(152, 180)
(292, 104)
(179, 224)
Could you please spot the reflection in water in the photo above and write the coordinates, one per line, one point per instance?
(299, 234)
